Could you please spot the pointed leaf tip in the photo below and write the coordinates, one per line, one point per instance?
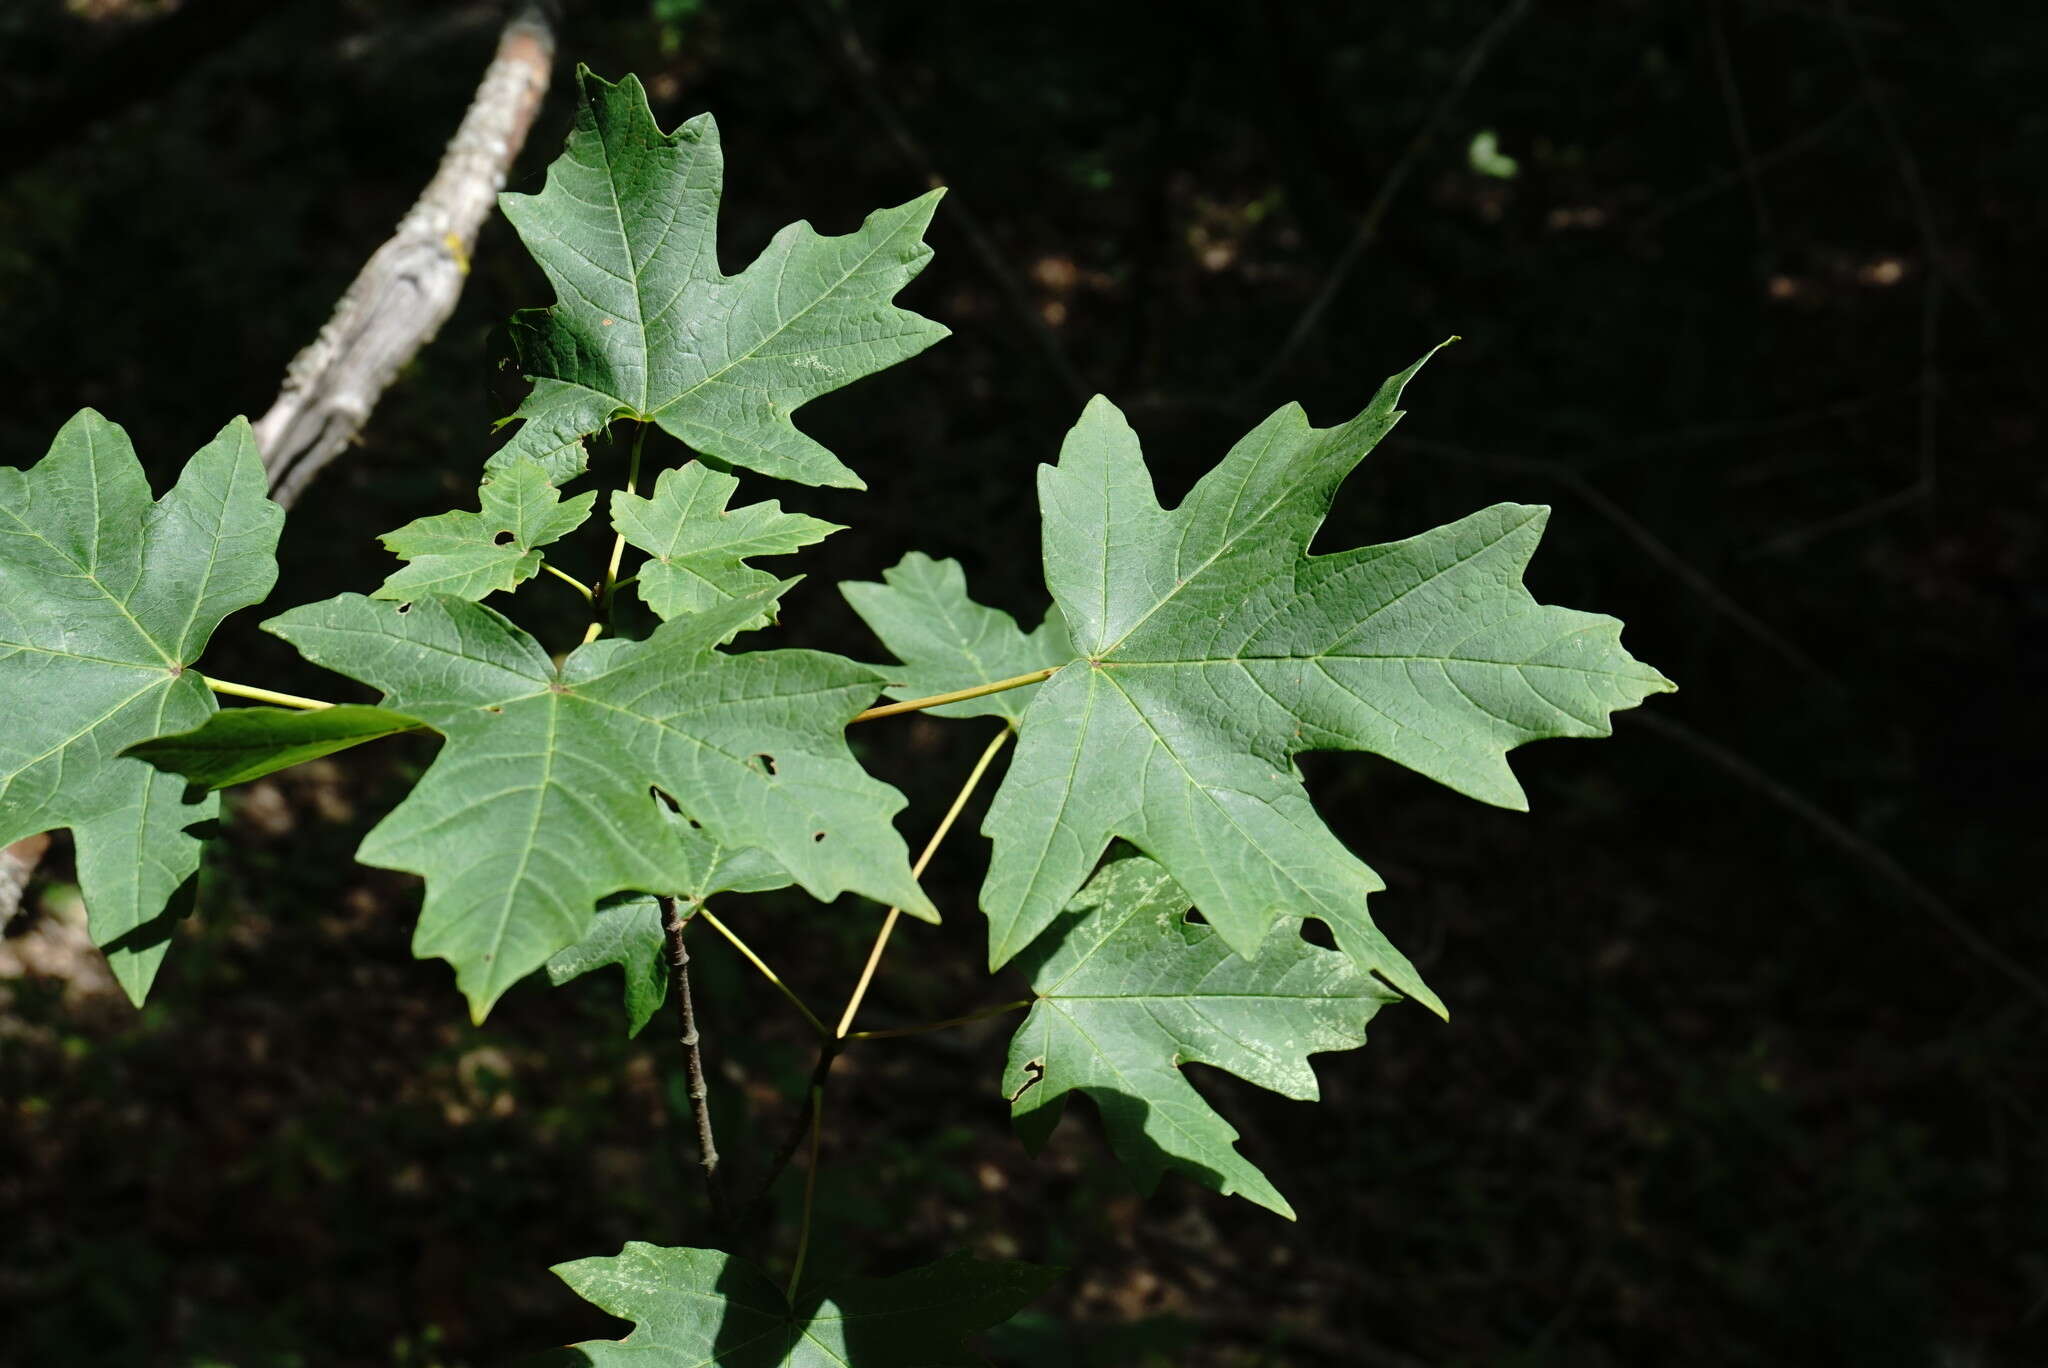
(107, 666)
(1216, 648)
(647, 325)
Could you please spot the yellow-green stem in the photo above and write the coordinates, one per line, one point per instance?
(803, 1237)
(867, 973)
(958, 695)
(578, 585)
(722, 929)
(250, 691)
(609, 584)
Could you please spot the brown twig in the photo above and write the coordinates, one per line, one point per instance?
(1792, 147)
(1738, 126)
(844, 41)
(673, 923)
(749, 1215)
(1650, 543)
(1846, 839)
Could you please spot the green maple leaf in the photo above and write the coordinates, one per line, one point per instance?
(1129, 991)
(646, 325)
(236, 745)
(698, 547)
(698, 1308)
(105, 599)
(468, 555)
(948, 642)
(627, 928)
(542, 801)
(1211, 648)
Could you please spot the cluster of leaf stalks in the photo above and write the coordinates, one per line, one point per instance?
(587, 804)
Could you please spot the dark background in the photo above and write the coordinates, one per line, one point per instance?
(1745, 1064)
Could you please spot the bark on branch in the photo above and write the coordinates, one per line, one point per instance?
(407, 289)
(17, 863)
(673, 923)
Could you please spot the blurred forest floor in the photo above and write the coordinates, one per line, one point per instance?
(1744, 1065)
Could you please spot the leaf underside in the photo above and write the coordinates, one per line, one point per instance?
(470, 555)
(105, 599)
(546, 797)
(647, 326)
(697, 548)
(1200, 649)
(948, 642)
(627, 928)
(697, 1307)
(236, 745)
(1128, 991)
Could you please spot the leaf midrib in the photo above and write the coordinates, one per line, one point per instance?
(91, 577)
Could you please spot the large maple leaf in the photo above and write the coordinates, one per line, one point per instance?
(544, 799)
(105, 599)
(646, 326)
(1209, 648)
(696, 1308)
(1127, 991)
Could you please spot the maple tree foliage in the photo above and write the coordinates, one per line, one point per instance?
(105, 599)
(646, 326)
(1155, 857)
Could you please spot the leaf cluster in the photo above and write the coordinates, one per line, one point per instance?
(1155, 857)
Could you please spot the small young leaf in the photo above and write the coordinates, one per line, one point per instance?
(627, 928)
(1211, 648)
(626, 931)
(646, 326)
(1129, 991)
(469, 555)
(698, 1307)
(543, 800)
(699, 547)
(236, 745)
(947, 641)
(105, 598)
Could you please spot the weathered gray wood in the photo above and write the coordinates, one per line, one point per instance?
(398, 301)
(17, 863)
(407, 289)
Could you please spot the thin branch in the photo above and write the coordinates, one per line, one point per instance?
(1000, 1009)
(282, 700)
(722, 929)
(1859, 849)
(1799, 538)
(1783, 152)
(672, 925)
(750, 1214)
(410, 285)
(973, 781)
(872, 90)
(803, 1238)
(959, 695)
(17, 865)
(578, 585)
(1738, 127)
(1369, 227)
(1650, 543)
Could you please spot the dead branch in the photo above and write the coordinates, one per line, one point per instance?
(409, 286)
